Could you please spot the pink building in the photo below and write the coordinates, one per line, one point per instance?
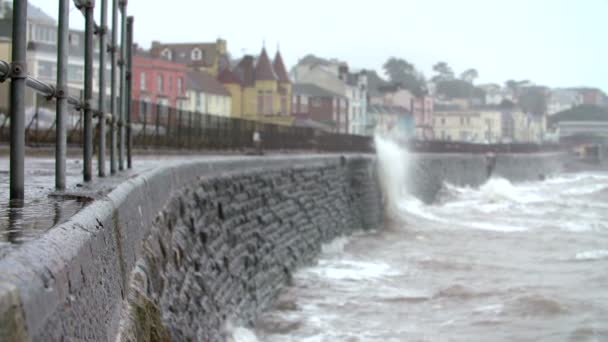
(159, 81)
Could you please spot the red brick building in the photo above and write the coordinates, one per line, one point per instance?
(158, 81)
(591, 96)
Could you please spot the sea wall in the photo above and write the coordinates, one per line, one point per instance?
(428, 172)
(175, 253)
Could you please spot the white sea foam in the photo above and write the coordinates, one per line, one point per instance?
(592, 255)
(349, 270)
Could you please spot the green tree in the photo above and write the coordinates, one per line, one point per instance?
(444, 72)
(469, 75)
(458, 89)
(402, 72)
(533, 99)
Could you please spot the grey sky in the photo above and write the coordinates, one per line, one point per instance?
(551, 42)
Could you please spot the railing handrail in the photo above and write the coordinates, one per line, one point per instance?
(16, 70)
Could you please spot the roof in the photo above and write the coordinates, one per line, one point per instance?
(227, 76)
(581, 113)
(263, 69)
(245, 70)
(279, 68)
(182, 52)
(314, 90)
(381, 109)
(203, 82)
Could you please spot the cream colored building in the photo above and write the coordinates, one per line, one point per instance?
(207, 95)
(488, 125)
(483, 126)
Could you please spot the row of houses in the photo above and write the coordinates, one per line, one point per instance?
(324, 94)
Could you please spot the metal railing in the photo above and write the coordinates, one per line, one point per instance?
(17, 72)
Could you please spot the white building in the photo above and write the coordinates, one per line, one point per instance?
(42, 52)
(563, 99)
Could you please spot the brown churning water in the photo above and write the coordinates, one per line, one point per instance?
(504, 262)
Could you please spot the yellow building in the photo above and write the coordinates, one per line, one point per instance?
(206, 57)
(207, 95)
(482, 126)
(260, 90)
(5, 55)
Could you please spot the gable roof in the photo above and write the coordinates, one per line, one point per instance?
(245, 70)
(203, 82)
(263, 69)
(279, 68)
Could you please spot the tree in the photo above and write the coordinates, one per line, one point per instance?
(458, 89)
(444, 72)
(400, 71)
(515, 86)
(533, 99)
(469, 75)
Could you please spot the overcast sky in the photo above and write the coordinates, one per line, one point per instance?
(551, 42)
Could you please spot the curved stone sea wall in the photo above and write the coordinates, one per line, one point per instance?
(177, 252)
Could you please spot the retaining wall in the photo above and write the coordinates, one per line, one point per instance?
(428, 172)
(174, 253)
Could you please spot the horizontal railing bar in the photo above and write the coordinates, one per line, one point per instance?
(41, 87)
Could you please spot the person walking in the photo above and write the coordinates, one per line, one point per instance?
(257, 142)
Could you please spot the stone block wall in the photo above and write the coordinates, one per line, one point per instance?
(223, 247)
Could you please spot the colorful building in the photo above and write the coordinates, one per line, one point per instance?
(261, 90)
(158, 81)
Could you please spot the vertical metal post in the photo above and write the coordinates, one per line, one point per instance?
(113, 104)
(129, 89)
(122, 91)
(18, 74)
(88, 90)
(103, 30)
(158, 124)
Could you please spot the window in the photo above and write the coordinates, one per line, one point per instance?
(284, 105)
(75, 73)
(462, 121)
(160, 84)
(316, 102)
(46, 70)
(443, 121)
(180, 85)
(260, 102)
(196, 54)
(170, 83)
(142, 81)
(167, 54)
(304, 104)
(268, 103)
(74, 39)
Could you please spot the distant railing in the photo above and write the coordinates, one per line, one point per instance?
(440, 146)
(118, 116)
(158, 127)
